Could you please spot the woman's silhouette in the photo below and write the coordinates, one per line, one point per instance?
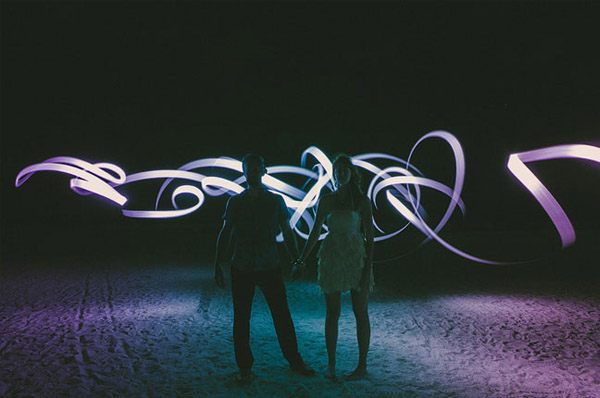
(344, 258)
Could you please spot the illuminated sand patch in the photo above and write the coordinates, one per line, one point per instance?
(163, 331)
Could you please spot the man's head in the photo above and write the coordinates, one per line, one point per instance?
(254, 169)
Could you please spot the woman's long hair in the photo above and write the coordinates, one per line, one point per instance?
(343, 160)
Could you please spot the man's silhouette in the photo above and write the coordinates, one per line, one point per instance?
(251, 222)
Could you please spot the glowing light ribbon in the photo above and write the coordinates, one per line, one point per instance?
(397, 181)
(181, 190)
(89, 178)
(414, 217)
(517, 165)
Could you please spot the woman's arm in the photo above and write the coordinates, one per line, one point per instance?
(313, 237)
(367, 226)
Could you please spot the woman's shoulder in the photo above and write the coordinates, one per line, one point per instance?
(326, 200)
(326, 197)
(365, 201)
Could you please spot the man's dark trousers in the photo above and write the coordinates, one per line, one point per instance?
(270, 282)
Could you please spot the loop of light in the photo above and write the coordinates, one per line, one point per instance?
(396, 181)
(517, 165)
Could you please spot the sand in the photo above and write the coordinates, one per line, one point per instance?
(163, 331)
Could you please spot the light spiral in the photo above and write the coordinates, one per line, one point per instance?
(402, 184)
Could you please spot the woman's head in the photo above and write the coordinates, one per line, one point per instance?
(342, 171)
(345, 172)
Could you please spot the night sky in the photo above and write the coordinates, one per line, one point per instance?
(150, 86)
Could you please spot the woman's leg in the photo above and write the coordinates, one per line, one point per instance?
(333, 306)
(360, 301)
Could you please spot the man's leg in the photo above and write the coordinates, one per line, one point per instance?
(271, 284)
(242, 290)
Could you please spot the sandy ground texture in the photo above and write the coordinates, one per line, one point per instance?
(166, 331)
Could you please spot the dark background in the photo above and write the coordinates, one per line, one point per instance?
(155, 85)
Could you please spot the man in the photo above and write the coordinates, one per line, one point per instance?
(251, 222)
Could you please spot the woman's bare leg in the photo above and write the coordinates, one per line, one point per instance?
(360, 302)
(333, 306)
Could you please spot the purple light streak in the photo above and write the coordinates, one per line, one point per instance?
(517, 165)
(399, 180)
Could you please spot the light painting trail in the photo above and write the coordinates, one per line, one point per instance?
(397, 181)
(517, 165)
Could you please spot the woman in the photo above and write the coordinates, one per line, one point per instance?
(344, 258)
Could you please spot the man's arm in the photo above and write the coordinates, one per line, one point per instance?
(289, 238)
(223, 241)
(313, 237)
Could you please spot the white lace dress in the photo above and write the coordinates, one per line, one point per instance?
(341, 257)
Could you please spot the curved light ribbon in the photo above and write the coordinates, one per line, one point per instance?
(184, 189)
(517, 165)
(398, 181)
(459, 175)
(89, 178)
(181, 190)
(414, 217)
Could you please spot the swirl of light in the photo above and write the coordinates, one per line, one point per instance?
(459, 174)
(384, 174)
(184, 189)
(89, 178)
(294, 198)
(397, 181)
(301, 202)
(414, 216)
(181, 190)
(415, 219)
(517, 166)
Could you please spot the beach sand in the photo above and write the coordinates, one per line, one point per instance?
(140, 330)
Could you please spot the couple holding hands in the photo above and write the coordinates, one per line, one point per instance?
(251, 223)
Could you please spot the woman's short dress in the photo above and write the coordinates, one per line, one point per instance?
(341, 257)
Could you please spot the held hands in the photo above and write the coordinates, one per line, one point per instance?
(219, 279)
(365, 279)
(297, 267)
(368, 261)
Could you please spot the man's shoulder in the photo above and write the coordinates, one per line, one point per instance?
(273, 195)
(276, 200)
(238, 195)
(266, 196)
(234, 200)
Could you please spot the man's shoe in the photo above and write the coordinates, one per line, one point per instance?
(303, 369)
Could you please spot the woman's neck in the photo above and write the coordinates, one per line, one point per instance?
(345, 195)
(344, 187)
